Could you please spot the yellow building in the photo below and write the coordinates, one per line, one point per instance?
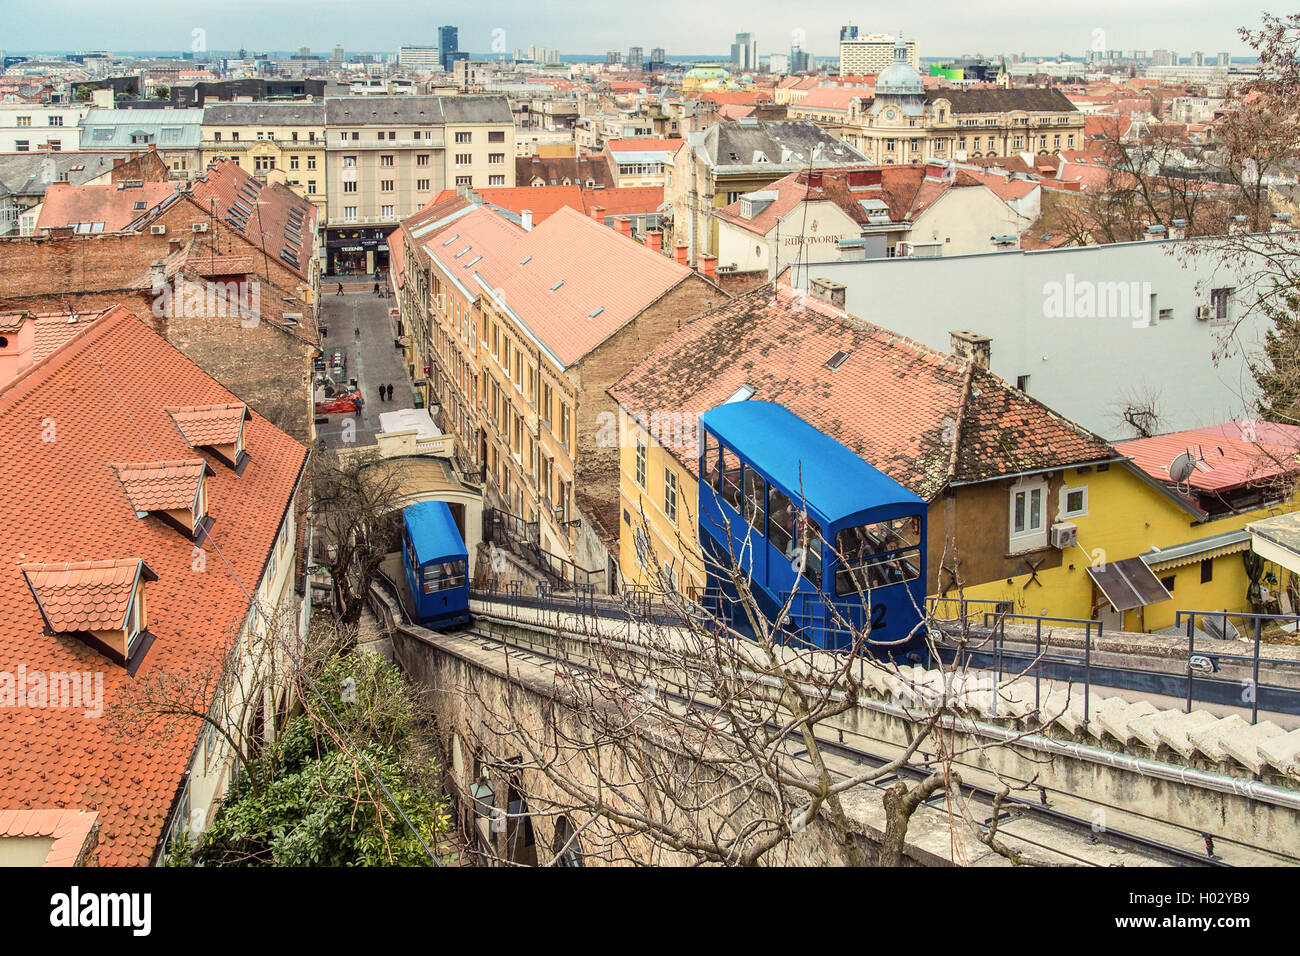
(276, 142)
(1191, 535)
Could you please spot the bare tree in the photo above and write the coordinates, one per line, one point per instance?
(681, 739)
(354, 500)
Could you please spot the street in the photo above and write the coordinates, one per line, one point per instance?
(359, 325)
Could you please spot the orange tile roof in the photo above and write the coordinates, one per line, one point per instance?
(923, 417)
(205, 425)
(116, 208)
(70, 831)
(545, 201)
(582, 281)
(52, 329)
(162, 485)
(85, 595)
(106, 392)
(644, 144)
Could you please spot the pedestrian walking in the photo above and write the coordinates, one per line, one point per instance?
(376, 288)
(381, 393)
(340, 292)
(390, 393)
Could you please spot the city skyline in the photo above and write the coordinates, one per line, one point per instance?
(590, 29)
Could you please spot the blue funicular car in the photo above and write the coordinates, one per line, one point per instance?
(436, 563)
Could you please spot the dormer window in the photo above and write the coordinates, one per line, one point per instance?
(172, 491)
(99, 602)
(218, 429)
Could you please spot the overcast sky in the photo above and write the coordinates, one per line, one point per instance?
(942, 27)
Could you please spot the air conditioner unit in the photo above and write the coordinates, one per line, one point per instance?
(199, 227)
(1202, 313)
(1065, 534)
(158, 230)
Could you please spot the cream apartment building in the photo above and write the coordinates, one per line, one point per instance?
(276, 142)
(387, 156)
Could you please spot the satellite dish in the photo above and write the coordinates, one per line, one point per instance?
(1182, 467)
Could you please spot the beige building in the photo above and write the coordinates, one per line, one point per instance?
(862, 56)
(905, 123)
(386, 156)
(276, 142)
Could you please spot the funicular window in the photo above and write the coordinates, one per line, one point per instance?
(730, 478)
(877, 555)
(709, 469)
(755, 500)
(796, 535)
(443, 576)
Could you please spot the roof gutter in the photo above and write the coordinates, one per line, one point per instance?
(1039, 471)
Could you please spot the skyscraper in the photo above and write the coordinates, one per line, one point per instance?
(744, 53)
(849, 32)
(448, 46)
(635, 59)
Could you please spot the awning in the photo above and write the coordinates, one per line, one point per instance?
(1191, 552)
(1128, 584)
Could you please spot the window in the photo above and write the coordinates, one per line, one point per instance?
(564, 425)
(464, 180)
(709, 464)
(349, 213)
(464, 159)
(1221, 304)
(670, 495)
(386, 160)
(496, 180)
(1074, 502)
(422, 159)
(1168, 583)
(1028, 524)
(443, 576)
(496, 159)
(1022, 382)
(640, 463)
(1207, 570)
(385, 185)
(25, 121)
(731, 478)
(877, 555)
(496, 136)
(293, 162)
(755, 500)
(22, 145)
(311, 162)
(55, 120)
(464, 137)
(422, 185)
(311, 187)
(350, 186)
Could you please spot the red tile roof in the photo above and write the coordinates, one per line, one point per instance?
(1230, 456)
(925, 418)
(545, 201)
(70, 831)
(162, 485)
(116, 208)
(644, 144)
(571, 280)
(85, 595)
(105, 393)
(205, 425)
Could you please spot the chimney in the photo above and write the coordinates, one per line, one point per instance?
(1178, 229)
(158, 273)
(655, 240)
(971, 346)
(852, 250)
(680, 253)
(598, 213)
(828, 290)
(526, 219)
(624, 225)
(708, 264)
(1154, 231)
(1004, 243)
(814, 179)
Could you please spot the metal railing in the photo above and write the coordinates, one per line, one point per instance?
(1226, 623)
(524, 538)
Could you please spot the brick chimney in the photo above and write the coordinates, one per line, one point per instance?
(654, 239)
(828, 290)
(680, 253)
(624, 225)
(708, 264)
(598, 213)
(971, 346)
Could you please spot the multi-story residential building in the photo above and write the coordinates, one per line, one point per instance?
(641, 161)
(871, 53)
(520, 329)
(871, 212)
(26, 177)
(276, 142)
(177, 134)
(387, 156)
(714, 168)
(419, 59)
(38, 127)
(905, 123)
(115, 567)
